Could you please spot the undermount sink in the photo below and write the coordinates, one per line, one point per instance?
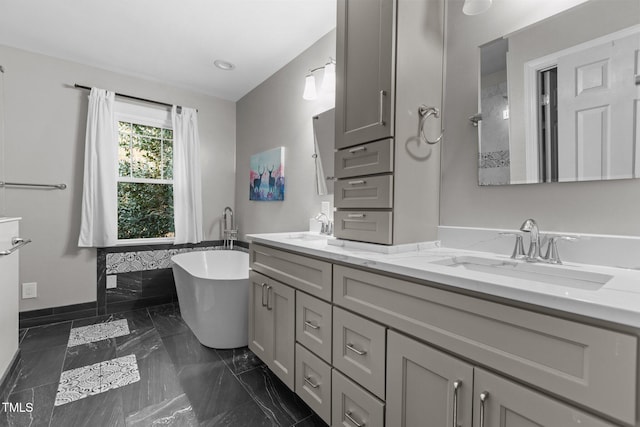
(550, 274)
(307, 236)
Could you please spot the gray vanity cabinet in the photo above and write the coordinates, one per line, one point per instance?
(507, 404)
(393, 351)
(271, 325)
(364, 71)
(426, 387)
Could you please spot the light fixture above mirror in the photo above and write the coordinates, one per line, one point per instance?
(328, 80)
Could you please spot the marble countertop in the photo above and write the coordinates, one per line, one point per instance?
(616, 301)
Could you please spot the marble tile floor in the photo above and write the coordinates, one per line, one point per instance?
(157, 374)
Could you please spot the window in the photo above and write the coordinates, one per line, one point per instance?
(145, 180)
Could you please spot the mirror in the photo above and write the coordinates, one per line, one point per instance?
(324, 125)
(559, 100)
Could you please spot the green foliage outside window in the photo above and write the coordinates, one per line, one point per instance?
(145, 210)
(145, 187)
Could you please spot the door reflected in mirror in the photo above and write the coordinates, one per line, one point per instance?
(560, 100)
(324, 125)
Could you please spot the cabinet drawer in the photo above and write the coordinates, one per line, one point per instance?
(364, 192)
(359, 350)
(366, 159)
(313, 382)
(307, 274)
(313, 325)
(579, 362)
(365, 226)
(351, 405)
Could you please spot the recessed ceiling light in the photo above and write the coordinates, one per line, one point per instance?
(224, 65)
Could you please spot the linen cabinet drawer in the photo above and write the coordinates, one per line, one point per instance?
(307, 274)
(365, 226)
(576, 361)
(313, 382)
(364, 192)
(367, 159)
(313, 325)
(351, 405)
(359, 347)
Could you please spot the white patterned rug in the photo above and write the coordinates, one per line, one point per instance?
(79, 383)
(98, 332)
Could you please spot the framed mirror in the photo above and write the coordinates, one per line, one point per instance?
(559, 100)
(324, 125)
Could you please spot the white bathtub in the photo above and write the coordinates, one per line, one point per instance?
(213, 292)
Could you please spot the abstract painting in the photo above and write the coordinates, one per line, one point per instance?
(266, 177)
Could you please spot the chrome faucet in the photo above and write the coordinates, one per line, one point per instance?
(230, 231)
(327, 225)
(531, 227)
(534, 253)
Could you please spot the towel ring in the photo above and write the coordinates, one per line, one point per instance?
(426, 112)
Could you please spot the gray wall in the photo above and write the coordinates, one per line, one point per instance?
(605, 207)
(45, 127)
(273, 115)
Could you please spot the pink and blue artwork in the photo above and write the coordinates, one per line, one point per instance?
(266, 177)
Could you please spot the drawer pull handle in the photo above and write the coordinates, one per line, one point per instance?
(262, 285)
(358, 149)
(381, 109)
(311, 325)
(355, 350)
(361, 215)
(456, 386)
(358, 182)
(269, 293)
(483, 397)
(354, 422)
(311, 383)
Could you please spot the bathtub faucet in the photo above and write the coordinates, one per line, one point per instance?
(230, 231)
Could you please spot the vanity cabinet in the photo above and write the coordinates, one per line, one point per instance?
(426, 384)
(271, 325)
(579, 362)
(502, 403)
(394, 351)
(389, 63)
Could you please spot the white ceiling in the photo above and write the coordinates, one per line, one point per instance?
(173, 41)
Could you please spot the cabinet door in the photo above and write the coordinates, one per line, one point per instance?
(426, 387)
(364, 71)
(507, 404)
(260, 331)
(281, 318)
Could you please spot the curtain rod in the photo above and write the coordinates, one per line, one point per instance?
(129, 97)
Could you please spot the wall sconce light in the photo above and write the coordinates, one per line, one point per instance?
(328, 80)
(476, 7)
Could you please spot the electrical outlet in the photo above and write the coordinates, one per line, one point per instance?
(29, 290)
(112, 281)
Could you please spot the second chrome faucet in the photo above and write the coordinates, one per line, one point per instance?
(534, 254)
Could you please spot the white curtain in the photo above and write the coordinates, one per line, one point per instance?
(187, 192)
(99, 205)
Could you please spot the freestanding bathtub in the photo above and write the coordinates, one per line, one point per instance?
(213, 293)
